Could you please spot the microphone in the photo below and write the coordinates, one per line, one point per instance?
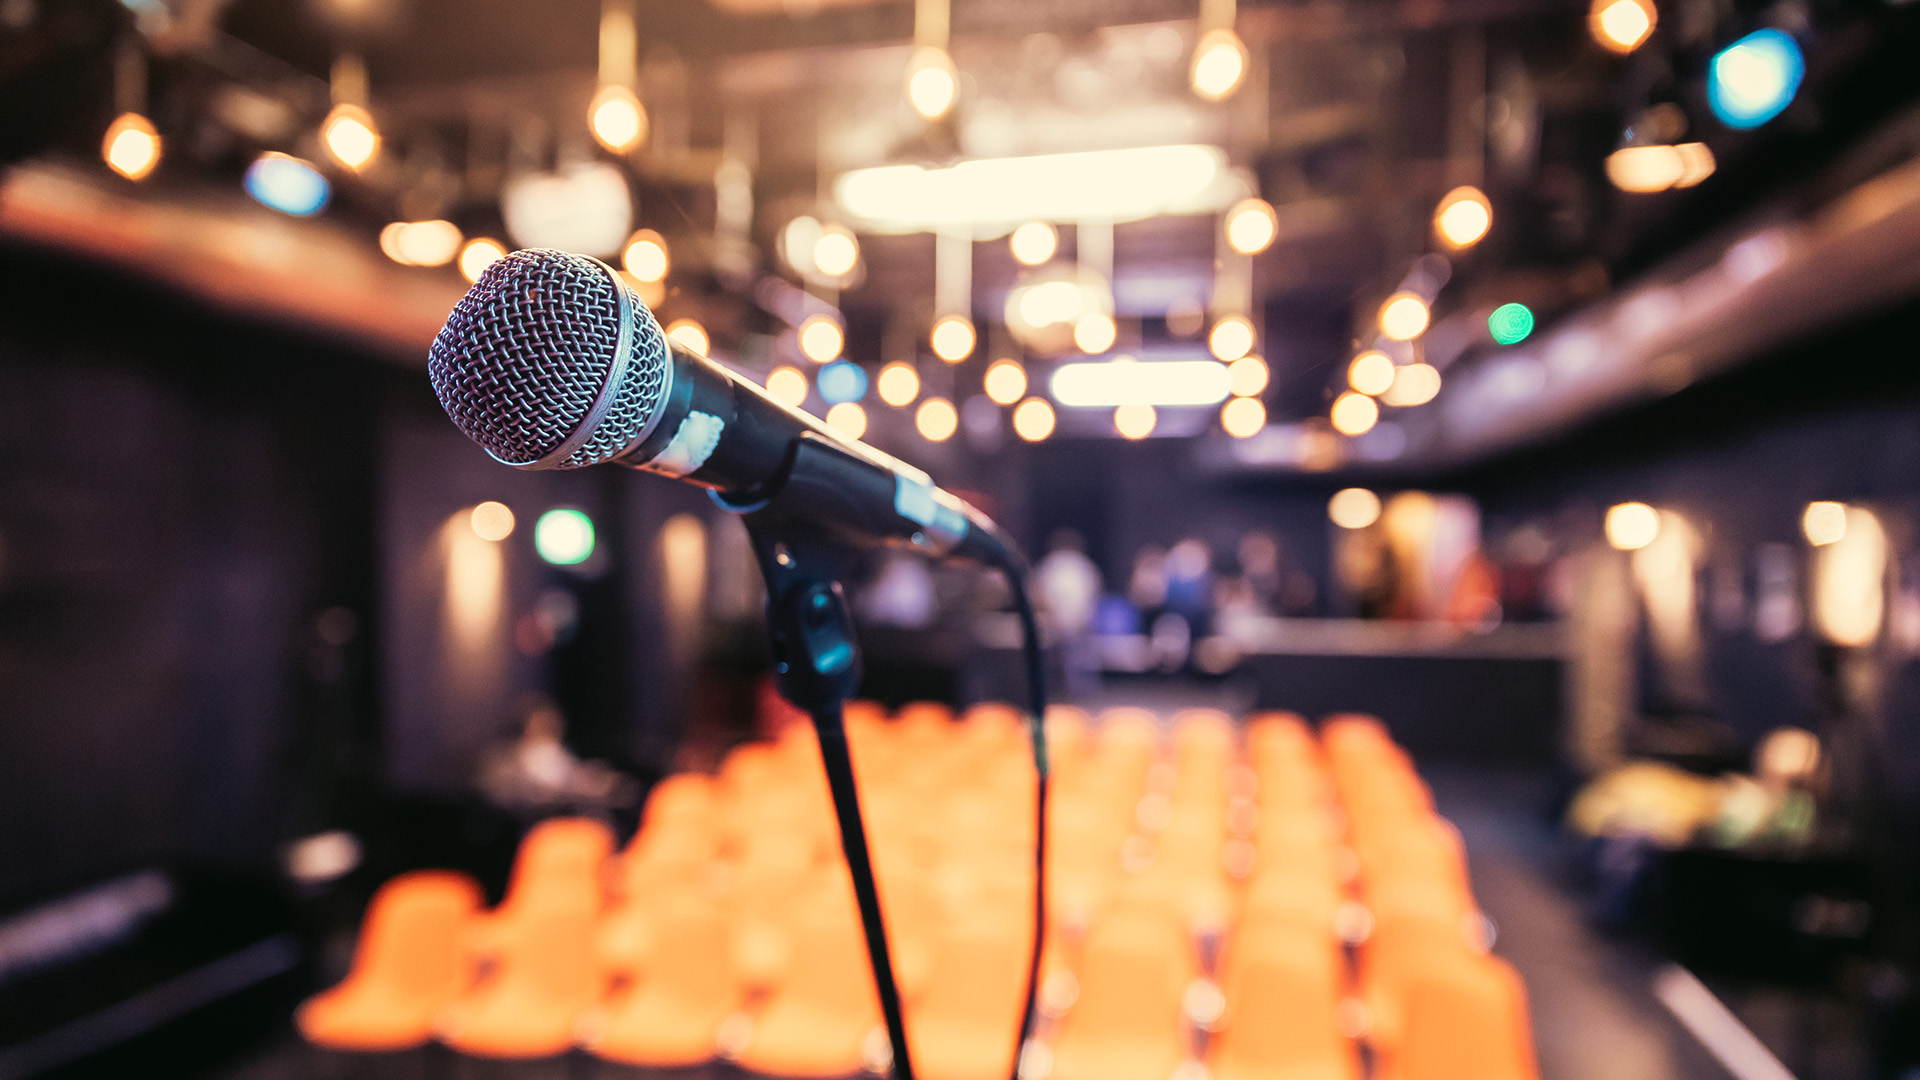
(550, 361)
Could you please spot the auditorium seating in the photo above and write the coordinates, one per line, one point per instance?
(1243, 900)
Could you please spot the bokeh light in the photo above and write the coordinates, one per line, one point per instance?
(932, 82)
(1006, 381)
(350, 136)
(1622, 25)
(1463, 217)
(480, 253)
(899, 384)
(491, 521)
(936, 420)
(821, 338)
(645, 256)
(841, 381)
(421, 243)
(1248, 376)
(1631, 526)
(1371, 372)
(787, 385)
(564, 536)
(1243, 417)
(1135, 421)
(1231, 338)
(690, 334)
(1414, 384)
(1251, 226)
(1752, 80)
(1034, 243)
(1824, 523)
(1404, 316)
(1094, 332)
(1510, 324)
(848, 419)
(952, 338)
(1353, 508)
(1033, 419)
(287, 184)
(131, 146)
(1219, 64)
(1354, 414)
(835, 251)
(618, 120)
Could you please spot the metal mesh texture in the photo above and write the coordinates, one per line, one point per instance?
(526, 351)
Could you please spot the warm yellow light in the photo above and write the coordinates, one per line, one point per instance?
(1006, 381)
(835, 251)
(1135, 421)
(1463, 217)
(1251, 226)
(1371, 372)
(1034, 243)
(618, 119)
(899, 384)
(1643, 169)
(1353, 508)
(952, 338)
(1404, 316)
(1631, 526)
(932, 82)
(1248, 376)
(1621, 25)
(492, 521)
(1824, 523)
(131, 146)
(645, 256)
(421, 243)
(1354, 414)
(1033, 419)
(690, 334)
(1232, 338)
(480, 253)
(1696, 163)
(788, 385)
(1414, 384)
(1850, 581)
(349, 135)
(848, 418)
(1094, 332)
(1243, 417)
(936, 420)
(821, 338)
(1219, 64)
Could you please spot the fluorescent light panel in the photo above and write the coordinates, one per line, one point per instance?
(1110, 383)
(998, 193)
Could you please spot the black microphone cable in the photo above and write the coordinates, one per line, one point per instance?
(1016, 575)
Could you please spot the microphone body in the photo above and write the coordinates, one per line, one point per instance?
(551, 361)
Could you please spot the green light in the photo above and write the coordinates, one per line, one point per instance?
(563, 537)
(1510, 323)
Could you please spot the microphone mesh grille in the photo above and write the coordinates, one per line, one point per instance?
(528, 349)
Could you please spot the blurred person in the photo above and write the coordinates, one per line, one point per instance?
(1190, 584)
(1147, 587)
(536, 772)
(1069, 585)
(901, 594)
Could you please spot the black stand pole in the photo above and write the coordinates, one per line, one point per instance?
(817, 661)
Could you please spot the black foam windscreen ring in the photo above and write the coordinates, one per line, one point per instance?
(523, 361)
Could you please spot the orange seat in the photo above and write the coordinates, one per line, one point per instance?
(817, 1022)
(681, 985)
(1294, 895)
(542, 978)
(1282, 986)
(1465, 1021)
(561, 860)
(1399, 953)
(1127, 1023)
(964, 1024)
(410, 961)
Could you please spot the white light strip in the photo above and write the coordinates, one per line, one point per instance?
(997, 193)
(1125, 381)
(1721, 1032)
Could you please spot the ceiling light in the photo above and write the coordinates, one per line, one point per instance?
(1464, 215)
(821, 338)
(421, 243)
(1006, 381)
(1752, 80)
(836, 252)
(1414, 384)
(1354, 414)
(583, 208)
(645, 256)
(1631, 526)
(349, 135)
(899, 384)
(1219, 64)
(1404, 316)
(131, 146)
(1243, 417)
(1371, 372)
(1231, 338)
(1034, 243)
(848, 419)
(1824, 523)
(952, 338)
(1510, 324)
(1101, 185)
(1094, 332)
(787, 385)
(618, 119)
(1251, 226)
(841, 381)
(690, 334)
(1353, 508)
(1249, 376)
(1135, 421)
(287, 184)
(932, 82)
(1126, 381)
(480, 253)
(1621, 25)
(936, 420)
(1033, 420)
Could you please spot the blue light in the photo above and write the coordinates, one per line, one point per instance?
(287, 184)
(1753, 79)
(841, 381)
